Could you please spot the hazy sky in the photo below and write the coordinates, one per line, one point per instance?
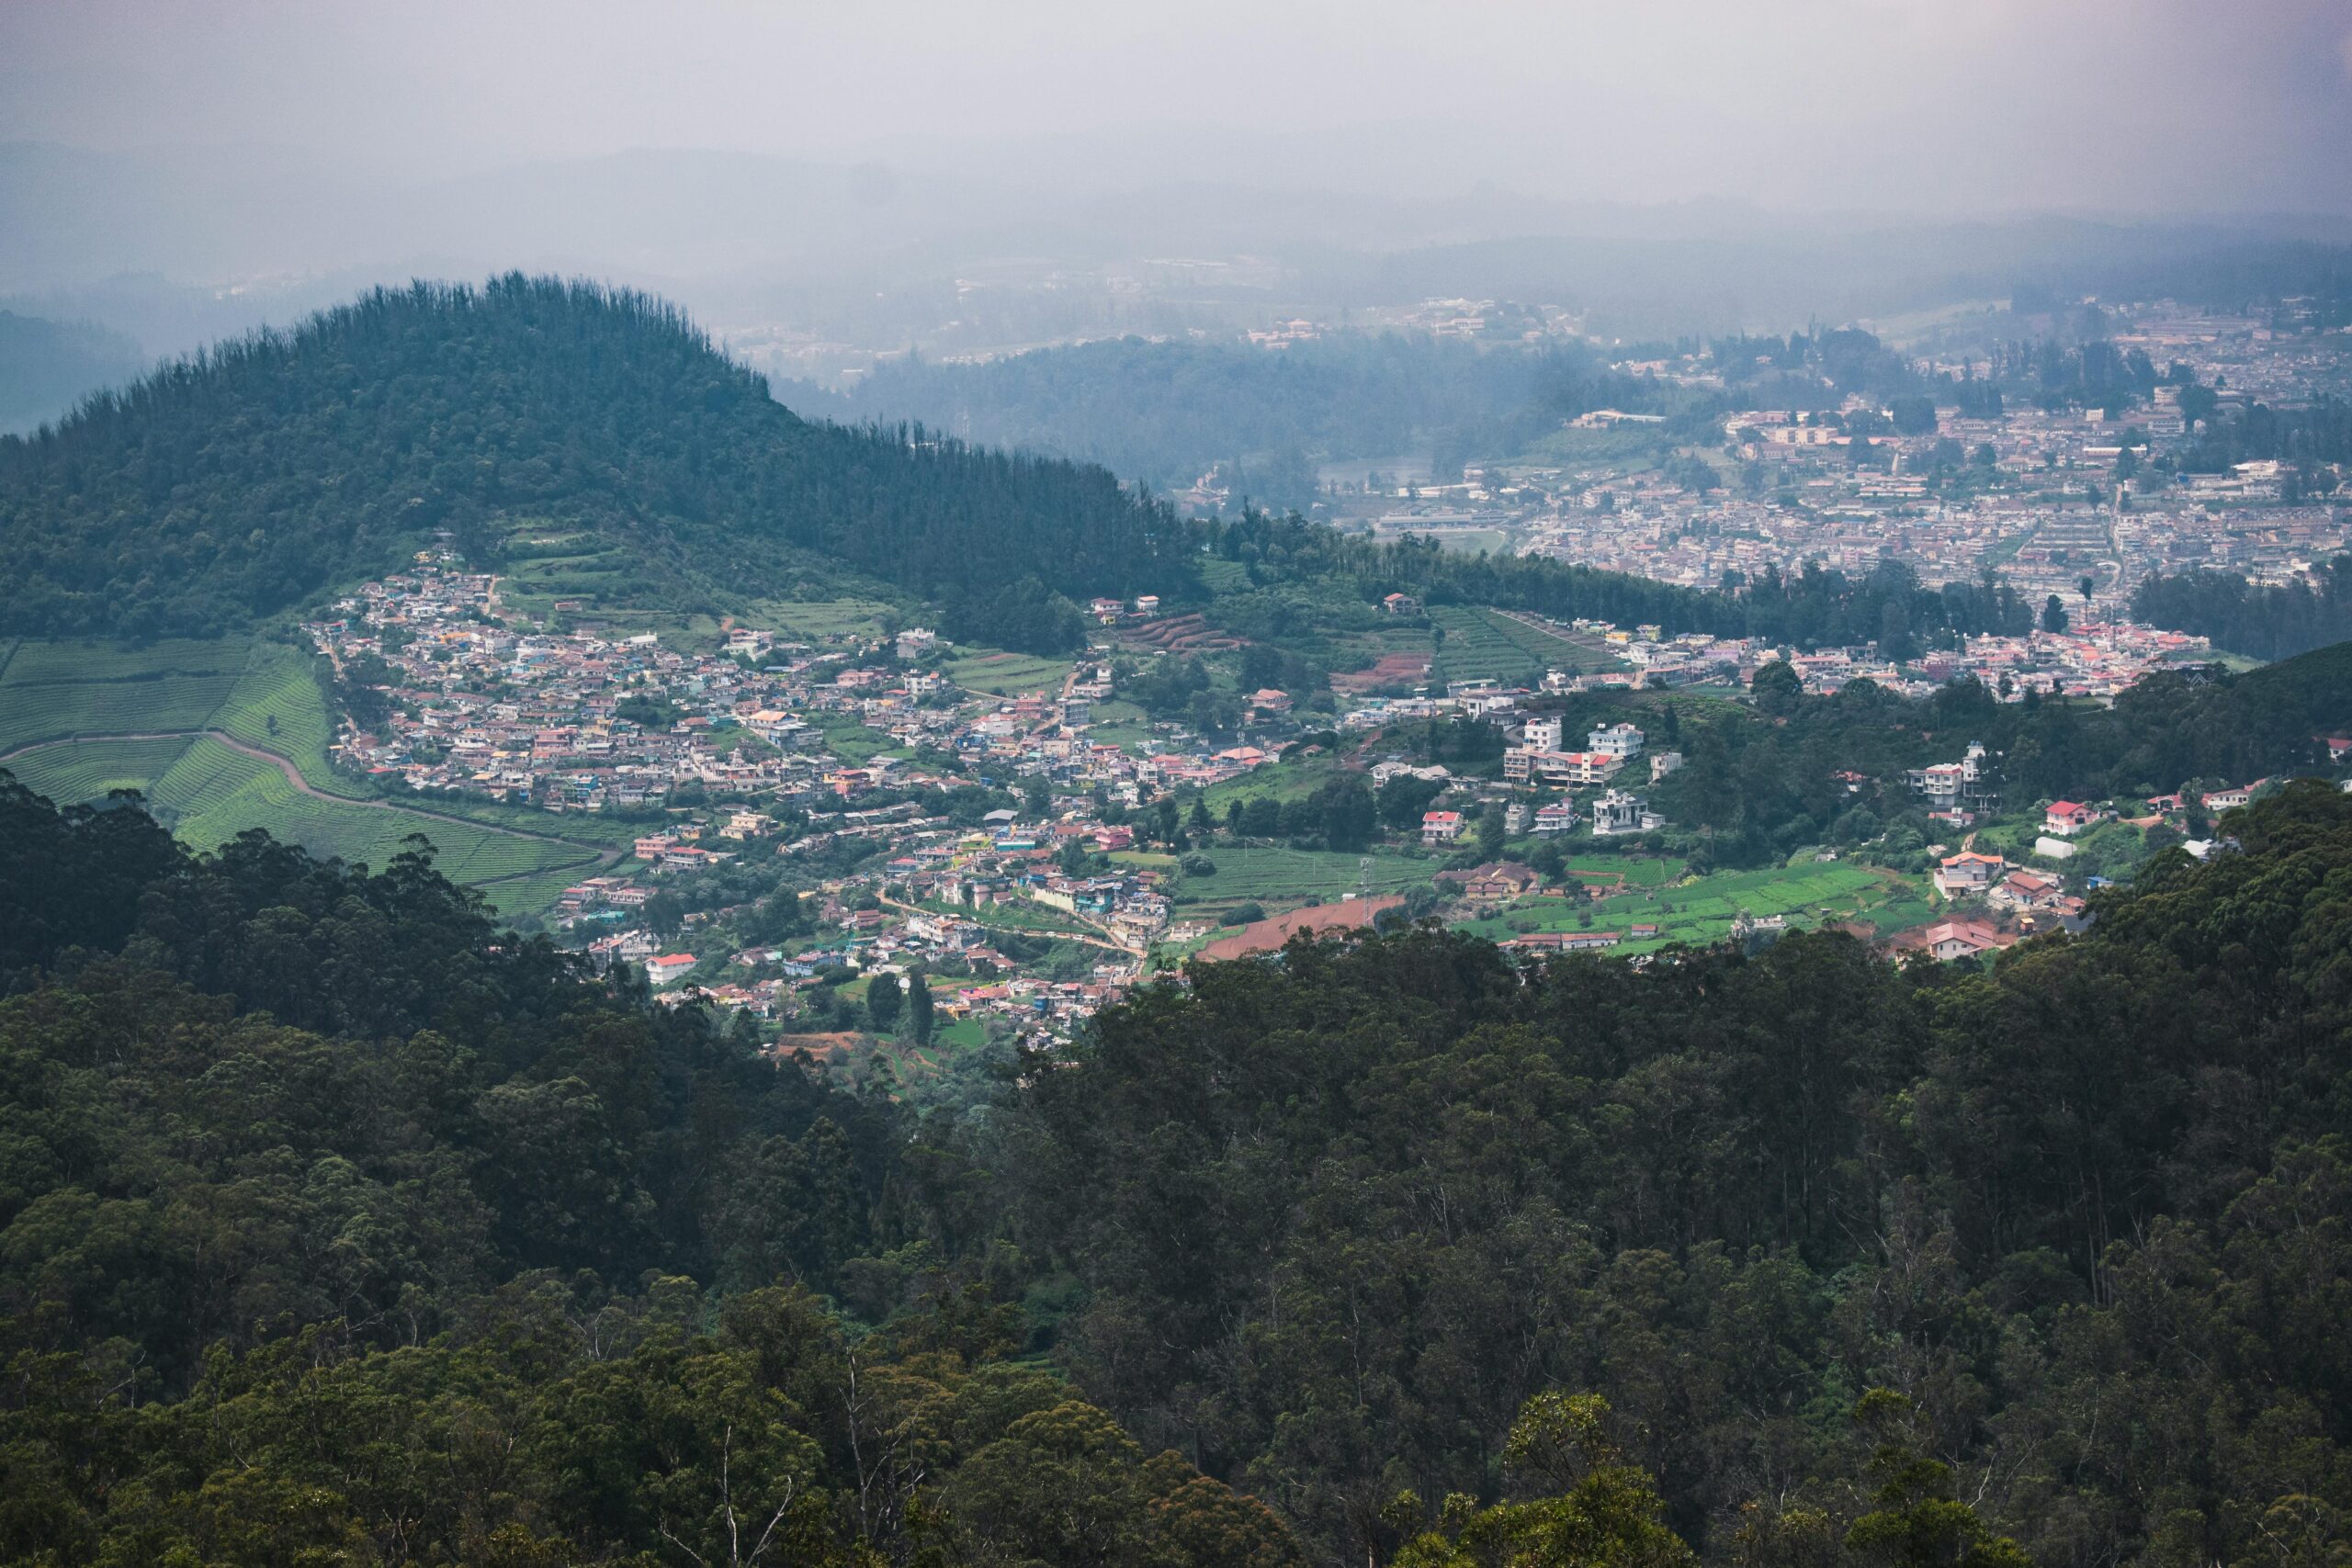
(1917, 105)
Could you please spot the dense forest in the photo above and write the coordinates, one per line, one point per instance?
(338, 1227)
(1803, 770)
(256, 476)
(240, 481)
(1167, 413)
(2084, 1216)
(2260, 620)
(1812, 607)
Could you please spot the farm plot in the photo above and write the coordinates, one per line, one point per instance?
(1007, 674)
(277, 706)
(52, 690)
(1703, 912)
(1551, 652)
(72, 771)
(1284, 878)
(1474, 649)
(212, 794)
(821, 620)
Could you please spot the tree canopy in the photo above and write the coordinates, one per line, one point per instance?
(338, 1227)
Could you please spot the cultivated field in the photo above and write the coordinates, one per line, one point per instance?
(277, 706)
(1704, 911)
(90, 770)
(1550, 651)
(212, 794)
(52, 690)
(1284, 878)
(1475, 649)
(820, 620)
(264, 695)
(1007, 674)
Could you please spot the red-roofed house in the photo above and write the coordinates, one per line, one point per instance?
(669, 966)
(1967, 874)
(2067, 817)
(1948, 939)
(1441, 827)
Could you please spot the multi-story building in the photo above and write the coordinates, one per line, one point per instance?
(1618, 740)
(1619, 812)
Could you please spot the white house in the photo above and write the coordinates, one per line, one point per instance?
(1618, 812)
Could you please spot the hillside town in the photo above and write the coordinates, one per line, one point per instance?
(999, 849)
(2072, 502)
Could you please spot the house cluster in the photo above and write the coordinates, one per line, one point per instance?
(2040, 497)
(2036, 897)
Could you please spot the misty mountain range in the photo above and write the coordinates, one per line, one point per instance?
(174, 252)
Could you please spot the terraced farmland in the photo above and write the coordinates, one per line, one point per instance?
(51, 690)
(1475, 649)
(277, 706)
(821, 620)
(212, 794)
(1547, 650)
(208, 793)
(88, 769)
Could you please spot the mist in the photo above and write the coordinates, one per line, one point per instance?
(978, 179)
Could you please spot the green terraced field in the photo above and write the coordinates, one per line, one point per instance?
(1283, 878)
(1551, 652)
(820, 620)
(89, 770)
(277, 706)
(539, 890)
(51, 690)
(210, 794)
(852, 741)
(1007, 674)
(1283, 781)
(1475, 649)
(213, 793)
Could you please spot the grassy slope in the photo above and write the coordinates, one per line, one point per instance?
(52, 690)
(1703, 911)
(1282, 878)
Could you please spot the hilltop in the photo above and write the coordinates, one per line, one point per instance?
(256, 476)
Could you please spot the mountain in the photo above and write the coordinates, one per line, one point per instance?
(46, 366)
(1168, 412)
(253, 477)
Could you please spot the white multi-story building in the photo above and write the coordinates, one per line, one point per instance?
(1554, 819)
(1618, 740)
(1619, 811)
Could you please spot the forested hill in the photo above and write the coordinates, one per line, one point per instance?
(245, 480)
(1168, 412)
